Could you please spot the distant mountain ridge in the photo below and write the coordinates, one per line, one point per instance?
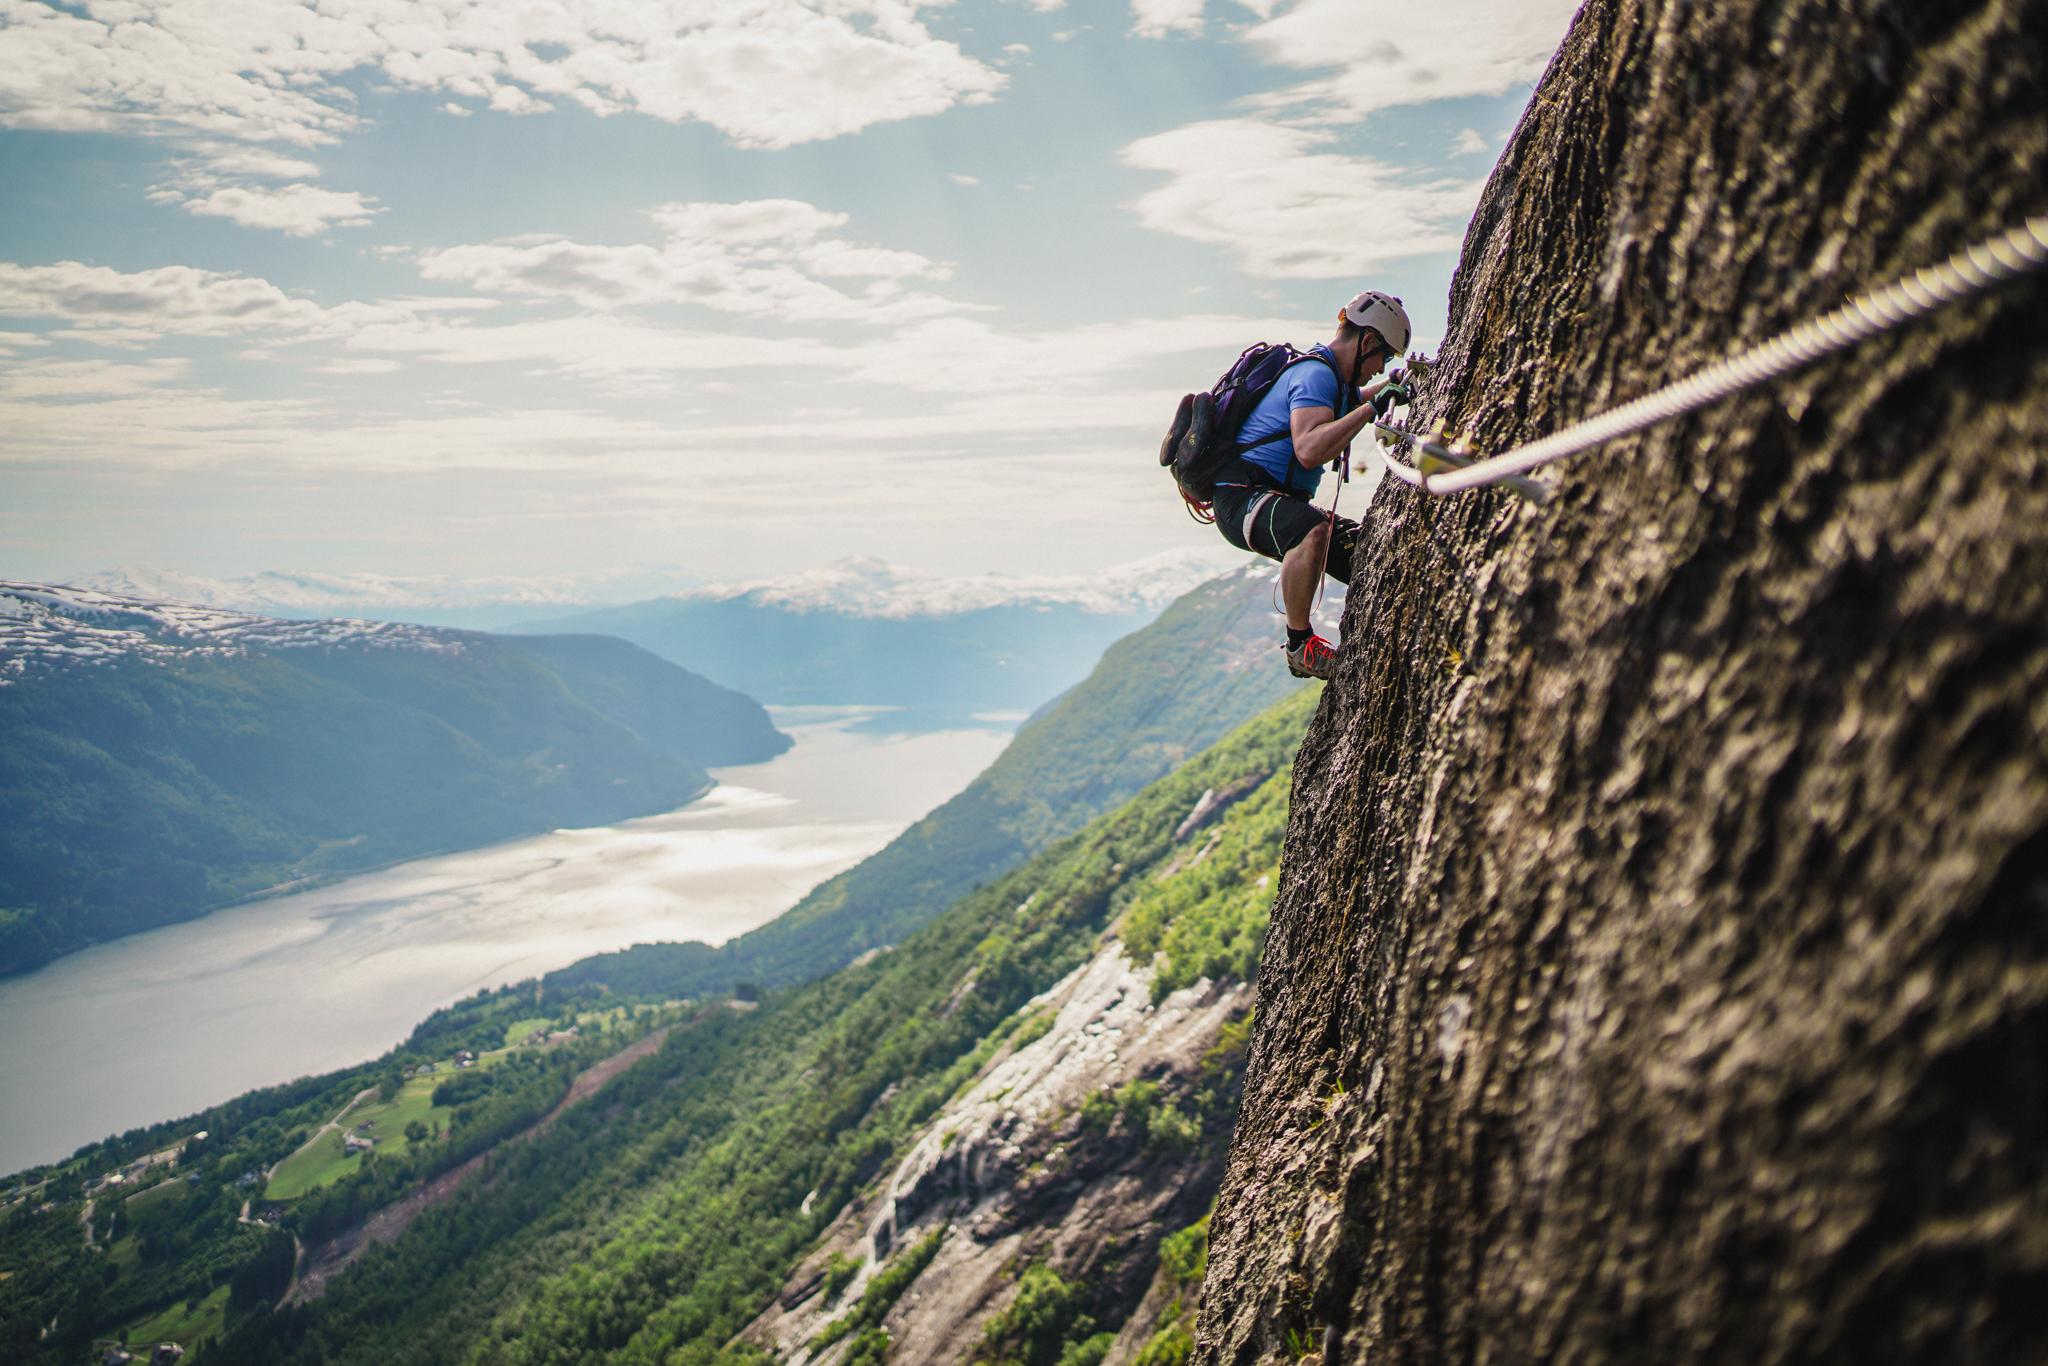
(158, 759)
(863, 586)
(860, 586)
(863, 631)
(431, 599)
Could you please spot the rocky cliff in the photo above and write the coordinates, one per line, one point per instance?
(1659, 969)
(1020, 1171)
(1051, 1210)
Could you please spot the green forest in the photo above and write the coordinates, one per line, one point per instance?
(652, 1221)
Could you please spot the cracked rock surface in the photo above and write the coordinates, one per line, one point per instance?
(1659, 970)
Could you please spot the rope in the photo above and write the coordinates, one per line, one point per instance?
(1444, 469)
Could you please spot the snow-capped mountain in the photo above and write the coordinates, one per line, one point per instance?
(50, 624)
(867, 587)
(436, 596)
(862, 586)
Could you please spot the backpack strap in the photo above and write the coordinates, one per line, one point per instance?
(1286, 433)
(1283, 434)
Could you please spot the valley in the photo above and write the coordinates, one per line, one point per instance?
(1016, 972)
(190, 1014)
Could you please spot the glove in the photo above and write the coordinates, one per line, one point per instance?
(1396, 390)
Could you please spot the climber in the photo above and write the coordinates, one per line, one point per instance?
(1305, 421)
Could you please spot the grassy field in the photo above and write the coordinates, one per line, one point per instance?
(162, 1190)
(326, 1159)
(181, 1325)
(523, 1030)
(125, 1251)
(319, 1162)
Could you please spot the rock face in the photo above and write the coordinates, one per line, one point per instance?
(1013, 1173)
(1660, 965)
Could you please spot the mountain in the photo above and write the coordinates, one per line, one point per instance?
(671, 709)
(1155, 698)
(158, 759)
(480, 603)
(1004, 1131)
(1659, 970)
(867, 632)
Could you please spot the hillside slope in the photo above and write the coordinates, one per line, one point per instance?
(157, 759)
(1659, 970)
(1048, 1070)
(1156, 697)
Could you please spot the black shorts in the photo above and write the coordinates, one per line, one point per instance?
(1271, 524)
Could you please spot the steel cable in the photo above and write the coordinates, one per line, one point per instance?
(1444, 469)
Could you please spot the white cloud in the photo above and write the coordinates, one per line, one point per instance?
(1268, 188)
(760, 257)
(1290, 212)
(1389, 54)
(1158, 18)
(958, 381)
(358, 365)
(215, 182)
(766, 73)
(168, 299)
(130, 309)
(70, 380)
(295, 210)
(959, 179)
(590, 346)
(1469, 143)
(242, 69)
(232, 159)
(747, 222)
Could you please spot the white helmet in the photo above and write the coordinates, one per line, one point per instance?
(1383, 314)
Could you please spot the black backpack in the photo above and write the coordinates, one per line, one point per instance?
(1202, 443)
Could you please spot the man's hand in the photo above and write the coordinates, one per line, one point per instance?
(1396, 390)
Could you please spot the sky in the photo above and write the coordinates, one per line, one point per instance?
(737, 287)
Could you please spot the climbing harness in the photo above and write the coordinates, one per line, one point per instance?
(1443, 468)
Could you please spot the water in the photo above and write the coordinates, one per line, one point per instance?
(166, 1023)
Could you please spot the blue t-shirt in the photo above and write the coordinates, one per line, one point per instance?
(1307, 384)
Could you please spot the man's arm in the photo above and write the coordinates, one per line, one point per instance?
(1320, 436)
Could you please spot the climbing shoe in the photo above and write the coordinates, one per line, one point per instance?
(1313, 658)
